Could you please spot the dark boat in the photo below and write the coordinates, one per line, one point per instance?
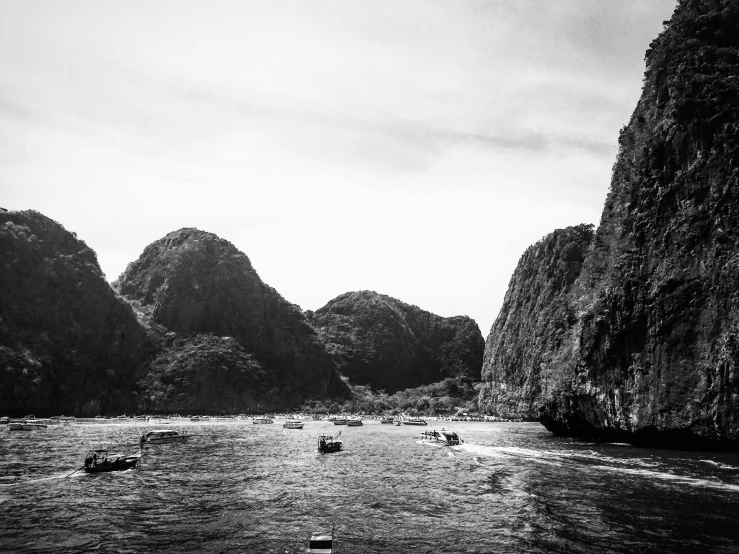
(321, 542)
(328, 444)
(97, 461)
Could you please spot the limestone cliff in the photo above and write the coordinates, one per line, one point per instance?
(391, 345)
(68, 343)
(653, 352)
(535, 320)
(192, 282)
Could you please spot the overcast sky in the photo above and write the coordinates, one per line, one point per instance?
(411, 148)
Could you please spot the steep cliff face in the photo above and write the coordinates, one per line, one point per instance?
(192, 282)
(655, 347)
(392, 346)
(522, 350)
(68, 343)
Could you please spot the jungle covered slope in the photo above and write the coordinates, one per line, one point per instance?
(390, 345)
(193, 283)
(652, 355)
(534, 322)
(68, 342)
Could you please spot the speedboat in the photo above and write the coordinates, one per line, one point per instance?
(27, 425)
(98, 461)
(293, 424)
(162, 435)
(328, 444)
(340, 421)
(414, 421)
(353, 422)
(447, 438)
(158, 421)
(262, 420)
(321, 543)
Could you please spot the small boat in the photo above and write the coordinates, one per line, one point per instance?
(98, 461)
(261, 420)
(321, 543)
(26, 425)
(386, 421)
(162, 435)
(158, 421)
(414, 421)
(328, 444)
(447, 438)
(293, 424)
(353, 422)
(340, 421)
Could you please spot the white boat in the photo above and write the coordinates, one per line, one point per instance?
(292, 424)
(261, 420)
(162, 435)
(25, 425)
(447, 438)
(157, 421)
(321, 543)
(414, 421)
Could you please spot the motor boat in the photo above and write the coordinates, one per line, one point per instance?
(328, 444)
(98, 461)
(293, 424)
(261, 420)
(353, 422)
(414, 421)
(447, 438)
(162, 435)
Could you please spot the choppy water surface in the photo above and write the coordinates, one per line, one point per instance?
(238, 487)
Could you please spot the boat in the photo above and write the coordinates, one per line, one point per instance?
(162, 435)
(98, 461)
(386, 420)
(397, 423)
(328, 444)
(447, 438)
(4, 420)
(414, 421)
(292, 424)
(321, 543)
(25, 425)
(157, 421)
(353, 422)
(340, 421)
(261, 420)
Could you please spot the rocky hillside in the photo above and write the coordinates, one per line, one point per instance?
(653, 352)
(535, 320)
(68, 342)
(392, 346)
(192, 283)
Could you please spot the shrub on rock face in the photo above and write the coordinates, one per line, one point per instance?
(391, 345)
(192, 282)
(206, 374)
(68, 343)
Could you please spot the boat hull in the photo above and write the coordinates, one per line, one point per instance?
(414, 422)
(354, 423)
(129, 462)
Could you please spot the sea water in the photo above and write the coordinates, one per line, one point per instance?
(238, 487)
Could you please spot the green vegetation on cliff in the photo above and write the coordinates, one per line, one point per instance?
(389, 345)
(68, 343)
(653, 352)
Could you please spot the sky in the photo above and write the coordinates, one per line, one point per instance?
(413, 148)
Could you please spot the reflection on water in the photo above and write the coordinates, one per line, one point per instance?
(237, 487)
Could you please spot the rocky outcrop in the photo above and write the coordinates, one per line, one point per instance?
(191, 282)
(68, 342)
(392, 346)
(653, 352)
(536, 319)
